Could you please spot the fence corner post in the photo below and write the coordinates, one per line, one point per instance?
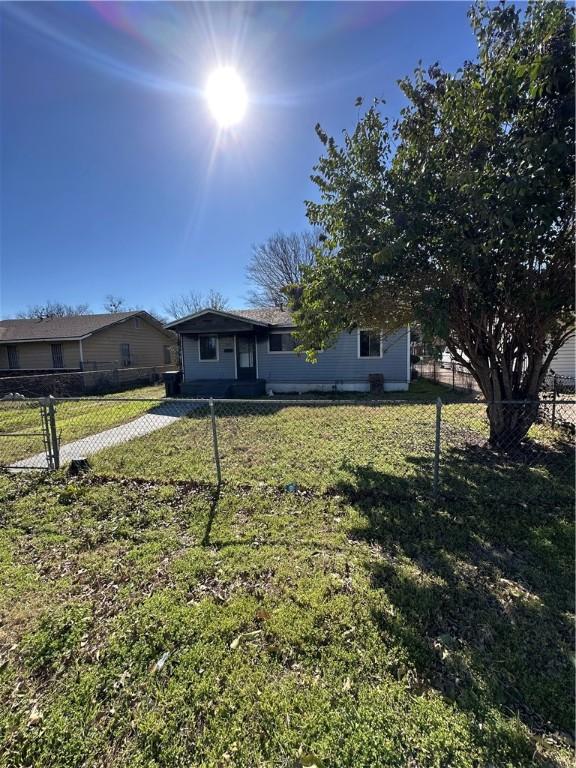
(215, 442)
(554, 403)
(53, 441)
(437, 447)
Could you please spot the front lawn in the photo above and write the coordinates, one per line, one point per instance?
(323, 446)
(156, 624)
(75, 419)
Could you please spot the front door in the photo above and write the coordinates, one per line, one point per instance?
(246, 357)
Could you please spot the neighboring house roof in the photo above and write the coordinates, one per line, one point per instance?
(72, 327)
(265, 316)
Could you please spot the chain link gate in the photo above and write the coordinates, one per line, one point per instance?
(41, 432)
(51, 444)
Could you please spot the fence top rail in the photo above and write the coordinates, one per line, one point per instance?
(291, 401)
(237, 400)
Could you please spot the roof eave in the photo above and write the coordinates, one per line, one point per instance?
(218, 312)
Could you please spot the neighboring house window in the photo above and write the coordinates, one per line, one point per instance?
(208, 348)
(136, 322)
(167, 356)
(57, 357)
(369, 343)
(13, 361)
(281, 342)
(125, 355)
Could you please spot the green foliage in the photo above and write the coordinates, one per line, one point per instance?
(460, 215)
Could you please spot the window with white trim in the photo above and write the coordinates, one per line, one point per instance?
(167, 355)
(369, 343)
(13, 359)
(281, 342)
(208, 348)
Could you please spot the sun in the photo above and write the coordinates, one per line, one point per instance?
(226, 96)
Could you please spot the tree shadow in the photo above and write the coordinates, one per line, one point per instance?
(479, 583)
(211, 515)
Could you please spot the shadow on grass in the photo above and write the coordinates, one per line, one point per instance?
(480, 583)
(211, 515)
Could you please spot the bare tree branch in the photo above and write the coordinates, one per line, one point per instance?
(194, 301)
(115, 304)
(277, 263)
(53, 309)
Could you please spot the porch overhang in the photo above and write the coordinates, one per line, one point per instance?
(215, 322)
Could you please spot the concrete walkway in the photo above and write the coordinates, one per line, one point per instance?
(158, 418)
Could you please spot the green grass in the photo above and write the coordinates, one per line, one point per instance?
(75, 419)
(155, 624)
(323, 447)
(347, 622)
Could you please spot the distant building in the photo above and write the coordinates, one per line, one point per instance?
(86, 342)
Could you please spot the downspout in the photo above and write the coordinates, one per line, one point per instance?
(408, 366)
(81, 356)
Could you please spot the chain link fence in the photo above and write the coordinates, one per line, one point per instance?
(387, 448)
(449, 374)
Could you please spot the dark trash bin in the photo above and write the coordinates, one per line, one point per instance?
(172, 380)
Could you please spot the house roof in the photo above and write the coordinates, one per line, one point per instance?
(265, 316)
(270, 315)
(70, 327)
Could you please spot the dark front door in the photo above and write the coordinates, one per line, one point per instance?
(246, 357)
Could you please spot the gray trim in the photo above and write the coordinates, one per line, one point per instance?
(228, 315)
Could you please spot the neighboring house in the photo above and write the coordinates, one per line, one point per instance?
(86, 342)
(564, 361)
(252, 351)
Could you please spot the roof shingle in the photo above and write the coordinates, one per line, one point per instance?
(271, 315)
(71, 327)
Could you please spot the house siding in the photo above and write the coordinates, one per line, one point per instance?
(37, 355)
(146, 345)
(194, 368)
(564, 362)
(338, 364)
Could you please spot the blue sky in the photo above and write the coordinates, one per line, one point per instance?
(112, 179)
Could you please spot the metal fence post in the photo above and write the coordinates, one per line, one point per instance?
(437, 446)
(215, 442)
(53, 435)
(554, 403)
(453, 376)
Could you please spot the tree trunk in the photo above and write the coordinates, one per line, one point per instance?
(510, 422)
(513, 400)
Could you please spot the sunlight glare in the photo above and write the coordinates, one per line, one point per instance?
(226, 96)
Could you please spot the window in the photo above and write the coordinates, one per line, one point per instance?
(369, 344)
(125, 358)
(13, 361)
(57, 357)
(167, 356)
(281, 342)
(136, 322)
(208, 347)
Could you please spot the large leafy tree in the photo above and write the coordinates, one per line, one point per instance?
(460, 216)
